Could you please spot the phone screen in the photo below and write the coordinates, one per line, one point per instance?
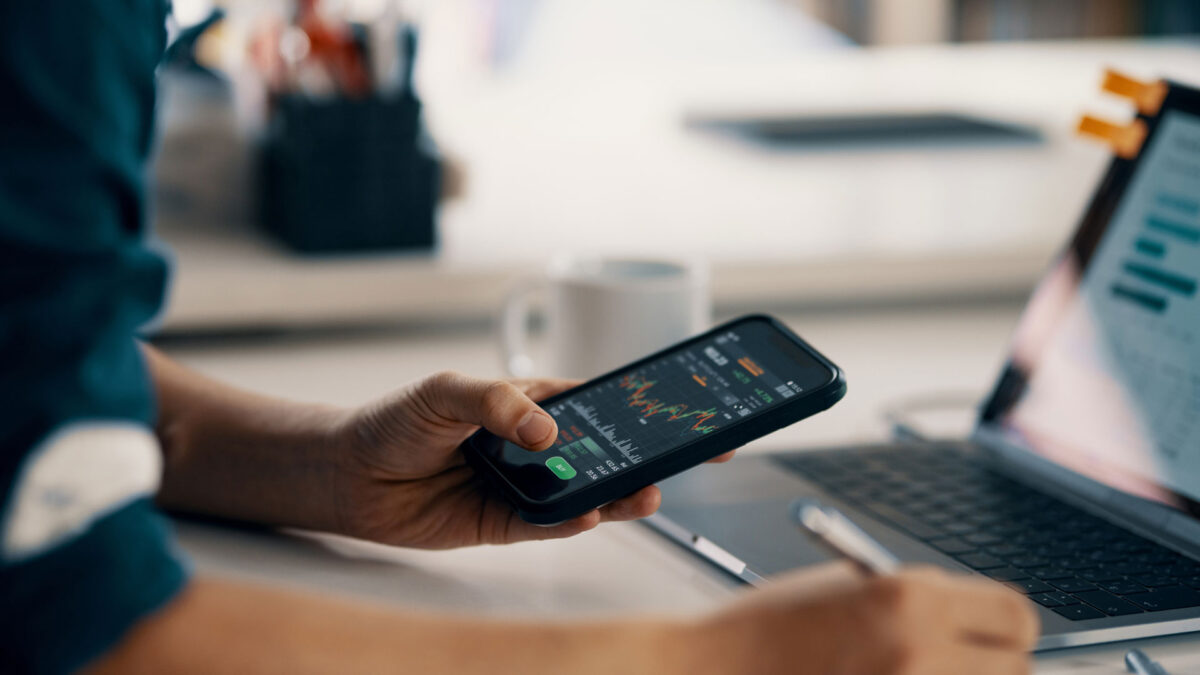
(662, 405)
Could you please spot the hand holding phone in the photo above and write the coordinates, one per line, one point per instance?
(659, 416)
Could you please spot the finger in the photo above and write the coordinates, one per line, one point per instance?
(990, 614)
(520, 530)
(541, 388)
(637, 505)
(722, 458)
(958, 658)
(640, 504)
(498, 406)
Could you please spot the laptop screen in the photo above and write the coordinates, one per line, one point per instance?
(1104, 374)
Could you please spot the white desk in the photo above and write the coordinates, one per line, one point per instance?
(887, 355)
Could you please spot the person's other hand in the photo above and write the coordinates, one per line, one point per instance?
(402, 480)
(832, 619)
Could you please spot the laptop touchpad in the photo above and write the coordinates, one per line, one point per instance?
(743, 507)
(745, 479)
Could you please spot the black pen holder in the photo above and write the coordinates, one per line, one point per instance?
(344, 175)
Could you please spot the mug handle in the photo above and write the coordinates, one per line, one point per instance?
(513, 321)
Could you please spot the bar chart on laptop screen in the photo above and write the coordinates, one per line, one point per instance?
(1174, 223)
(1141, 289)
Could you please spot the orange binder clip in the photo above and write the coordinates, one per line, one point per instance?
(1125, 139)
(1147, 96)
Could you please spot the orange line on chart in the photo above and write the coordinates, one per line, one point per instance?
(703, 382)
(750, 366)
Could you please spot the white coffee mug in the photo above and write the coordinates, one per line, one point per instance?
(603, 312)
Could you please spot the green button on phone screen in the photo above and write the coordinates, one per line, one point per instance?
(560, 468)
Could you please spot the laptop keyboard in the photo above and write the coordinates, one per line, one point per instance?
(1062, 557)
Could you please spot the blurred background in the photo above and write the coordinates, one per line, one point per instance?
(371, 177)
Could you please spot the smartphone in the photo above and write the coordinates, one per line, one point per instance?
(659, 416)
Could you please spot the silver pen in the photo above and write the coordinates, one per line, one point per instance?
(838, 533)
(1137, 662)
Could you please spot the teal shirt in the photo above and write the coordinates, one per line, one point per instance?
(76, 282)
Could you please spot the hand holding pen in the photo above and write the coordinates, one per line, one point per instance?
(873, 616)
(838, 533)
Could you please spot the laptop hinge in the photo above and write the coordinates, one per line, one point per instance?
(1155, 521)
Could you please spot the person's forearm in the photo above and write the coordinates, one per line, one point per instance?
(218, 626)
(233, 454)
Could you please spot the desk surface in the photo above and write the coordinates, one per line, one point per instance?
(888, 354)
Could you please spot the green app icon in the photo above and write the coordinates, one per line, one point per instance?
(560, 468)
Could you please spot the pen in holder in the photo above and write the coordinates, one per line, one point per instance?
(346, 164)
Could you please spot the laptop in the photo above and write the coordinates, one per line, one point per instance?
(1080, 484)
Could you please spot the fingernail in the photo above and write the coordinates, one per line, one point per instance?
(535, 428)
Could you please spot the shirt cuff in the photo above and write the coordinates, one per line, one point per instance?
(69, 605)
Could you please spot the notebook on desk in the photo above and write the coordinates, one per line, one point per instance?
(1080, 485)
(867, 129)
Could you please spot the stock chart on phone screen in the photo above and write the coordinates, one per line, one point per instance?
(643, 413)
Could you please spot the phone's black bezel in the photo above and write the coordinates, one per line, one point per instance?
(479, 448)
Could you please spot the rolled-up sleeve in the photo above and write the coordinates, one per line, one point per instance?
(83, 552)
